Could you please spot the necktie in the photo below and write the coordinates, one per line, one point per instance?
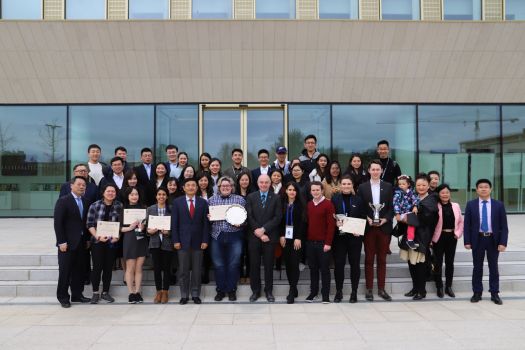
(80, 206)
(484, 218)
(192, 208)
(263, 199)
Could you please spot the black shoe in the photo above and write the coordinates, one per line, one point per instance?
(450, 292)
(294, 292)
(290, 299)
(87, 282)
(254, 297)
(196, 300)
(412, 245)
(311, 297)
(183, 301)
(205, 279)
(326, 299)
(95, 298)
(419, 296)
(132, 298)
(383, 294)
(219, 296)
(439, 292)
(232, 296)
(496, 299)
(475, 298)
(105, 296)
(80, 299)
(138, 297)
(411, 293)
(269, 297)
(353, 298)
(369, 296)
(65, 304)
(338, 296)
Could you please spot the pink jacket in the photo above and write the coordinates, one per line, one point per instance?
(458, 225)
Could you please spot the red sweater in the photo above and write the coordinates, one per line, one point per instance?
(321, 223)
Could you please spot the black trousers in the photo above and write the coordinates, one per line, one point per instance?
(71, 272)
(245, 258)
(103, 256)
(445, 246)
(161, 268)
(419, 274)
(292, 258)
(347, 247)
(318, 260)
(256, 248)
(87, 265)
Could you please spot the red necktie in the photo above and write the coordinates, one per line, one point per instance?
(192, 208)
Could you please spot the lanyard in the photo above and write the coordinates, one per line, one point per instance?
(344, 205)
(289, 215)
(385, 169)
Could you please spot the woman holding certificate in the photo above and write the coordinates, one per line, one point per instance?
(347, 244)
(103, 222)
(293, 229)
(135, 242)
(160, 246)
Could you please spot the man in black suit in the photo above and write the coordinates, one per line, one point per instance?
(377, 235)
(145, 172)
(264, 218)
(71, 240)
(116, 176)
(264, 167)
(122, 152)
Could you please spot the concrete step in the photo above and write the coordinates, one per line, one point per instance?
(394, 270)
(119, 291)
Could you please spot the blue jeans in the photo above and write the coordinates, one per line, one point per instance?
(226, 255)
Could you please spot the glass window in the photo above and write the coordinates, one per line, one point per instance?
(400, 9)
(222, 133)
(148, 9)
(275, 9)
(130, 126)
(339, 9)
(515, 10)
(32, 159)
(178, 125)
(264, 130)
(212, 9)
(461, 10)
(21, 9)
(85, 9)
(462, 143)
(514, 157)
(304, 120)
(357, 128)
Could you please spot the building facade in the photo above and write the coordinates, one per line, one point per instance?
(442, 80)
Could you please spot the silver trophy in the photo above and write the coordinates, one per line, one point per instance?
(377, 208)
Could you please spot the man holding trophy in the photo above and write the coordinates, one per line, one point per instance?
(376, 196)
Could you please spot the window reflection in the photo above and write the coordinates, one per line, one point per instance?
(308, 119)
(515, 10)
(85, 9)
(462, 143)
(514, 157)
(265, 130)
(32, 159)
(275, 9)
(21, 9)
(148, 9)
(338, 9)
(212, 9)
(400, 9)
(462, 10)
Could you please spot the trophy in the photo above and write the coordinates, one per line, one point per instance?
(377, 208)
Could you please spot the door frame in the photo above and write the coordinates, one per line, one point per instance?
(243, 110)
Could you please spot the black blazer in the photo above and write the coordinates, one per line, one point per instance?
(69, 227)
(255, 173)
(299, 220)
(268, 217)
(149, 196)
(142, 175)
(386, 197)
(356, 209)
(190, 232)
(92, 193)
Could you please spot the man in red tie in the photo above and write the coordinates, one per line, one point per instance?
(190, 232)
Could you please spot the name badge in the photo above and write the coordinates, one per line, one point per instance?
(288, 233)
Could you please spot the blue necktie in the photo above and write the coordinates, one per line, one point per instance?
(484, 218)
(263, 199)
(80, 206)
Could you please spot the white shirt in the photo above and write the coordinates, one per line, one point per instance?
(320, 201)
(95, 171)
(489, 211)
(264, 171)
(119, 180)
(148, 169)
(188, 201)
(376, 191)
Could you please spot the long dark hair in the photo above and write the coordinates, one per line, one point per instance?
(166, 175)
(329, 178)
(320, 172)
(181, 176)
(350, 168)
(207, 155)
(238, 185)
(125, 197)
(209, 189)
(299, 199)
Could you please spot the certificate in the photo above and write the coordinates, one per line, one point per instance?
(354, 225)
(218, 212)
(108, 229)
(159, 222)
(132, 215)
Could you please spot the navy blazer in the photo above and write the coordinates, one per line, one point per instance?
(92, 193)
(356, 209)
(190, 232)
(500, 230)
(255, 173)
(69, 227)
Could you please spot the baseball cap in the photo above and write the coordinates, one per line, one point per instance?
(281, 150)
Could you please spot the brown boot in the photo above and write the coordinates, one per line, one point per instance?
(164, 297)
(158, 297)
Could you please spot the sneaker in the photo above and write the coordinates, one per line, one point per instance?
(326, 299)
(105, 296)
(132, 299)
(95, 298)
(311, 297)
(138, 297)
(412, 245)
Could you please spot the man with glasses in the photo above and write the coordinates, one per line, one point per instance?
(226, 243)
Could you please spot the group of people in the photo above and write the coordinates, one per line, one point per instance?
(294, 207)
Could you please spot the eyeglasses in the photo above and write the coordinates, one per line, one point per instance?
(80, 171)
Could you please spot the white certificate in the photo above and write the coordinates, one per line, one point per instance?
(159, 222)
(354, 225)
(132, 215)
(218, 212)
(108, 229)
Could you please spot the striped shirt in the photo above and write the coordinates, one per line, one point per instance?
(222, 225)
